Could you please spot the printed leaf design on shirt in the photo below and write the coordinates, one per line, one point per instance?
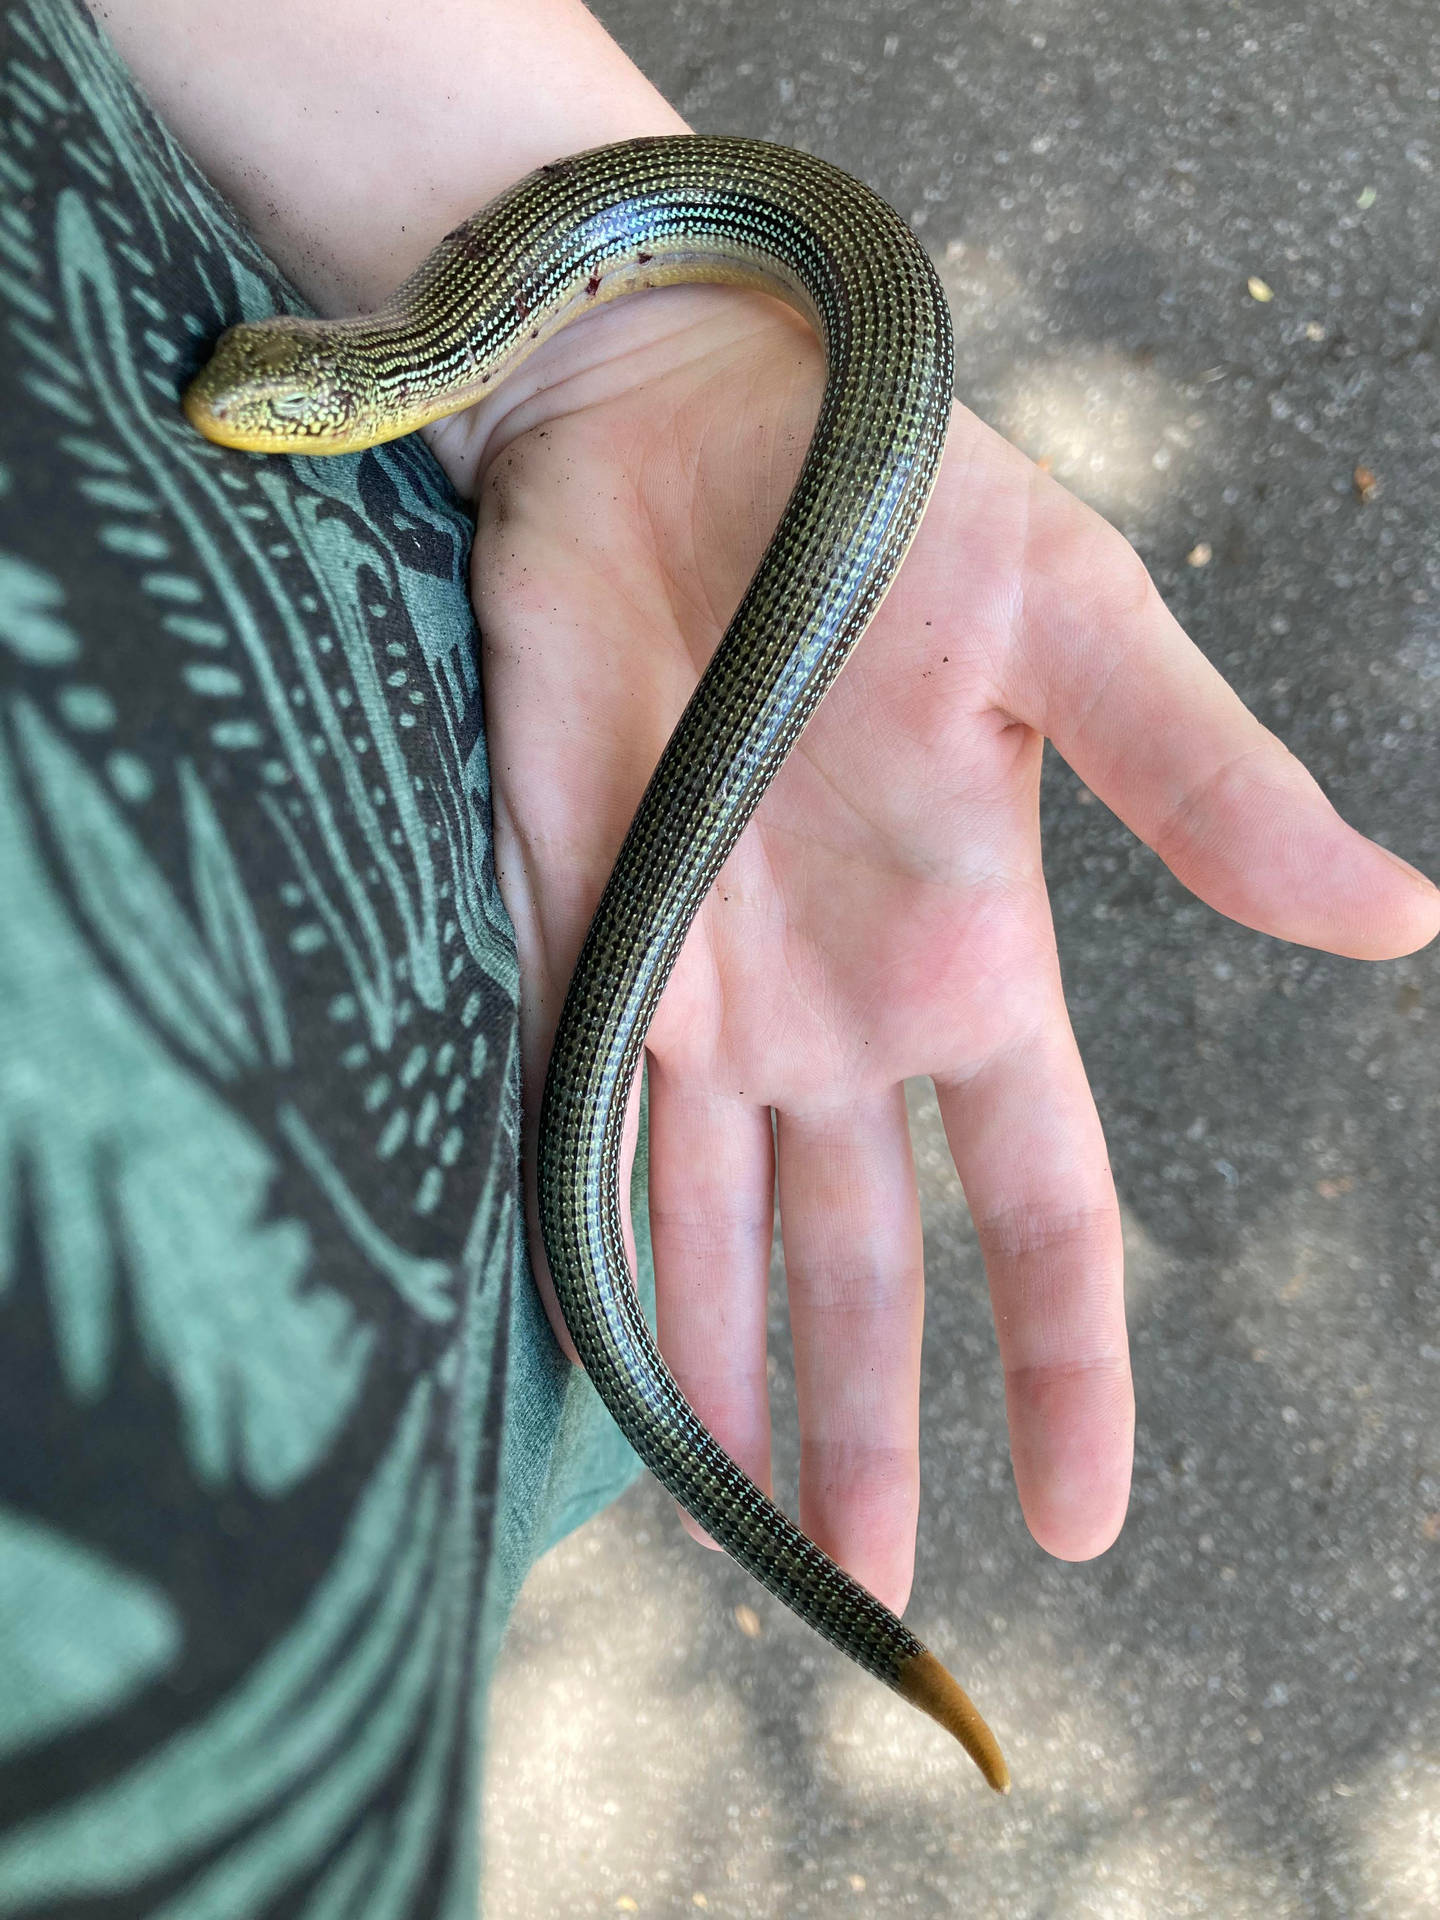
(78, 1634)
(259, 1118)
(111, 1128)
(29, 614)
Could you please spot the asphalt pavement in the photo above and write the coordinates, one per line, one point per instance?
(1192, 249)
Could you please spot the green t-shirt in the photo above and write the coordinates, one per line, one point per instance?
(282, 1425)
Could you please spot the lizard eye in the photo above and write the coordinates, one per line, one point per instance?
(291, 406)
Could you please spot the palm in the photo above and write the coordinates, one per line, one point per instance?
(884, 915)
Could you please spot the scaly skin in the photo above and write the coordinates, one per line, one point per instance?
(584, 230)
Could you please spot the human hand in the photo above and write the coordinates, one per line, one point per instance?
(885, 913)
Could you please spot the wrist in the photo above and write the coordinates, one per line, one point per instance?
(350, 137)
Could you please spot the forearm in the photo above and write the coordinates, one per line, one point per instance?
(352, 133)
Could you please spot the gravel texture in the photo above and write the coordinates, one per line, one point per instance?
(1236, 1711)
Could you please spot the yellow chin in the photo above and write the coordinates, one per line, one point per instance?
(214, 423)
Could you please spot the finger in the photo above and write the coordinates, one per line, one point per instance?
(1027, 1144)
(712, 1182)
(1148, 723)
(854, 1265)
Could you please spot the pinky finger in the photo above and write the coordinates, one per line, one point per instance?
(1027, 1143)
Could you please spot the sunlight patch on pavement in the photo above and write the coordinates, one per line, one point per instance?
(1395, 1820)
(1072, 1755)
(1114, 429)
(1118, 434)
(1177, 1859)
(606, 1746)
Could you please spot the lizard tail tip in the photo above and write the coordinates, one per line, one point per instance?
(926, 1684)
